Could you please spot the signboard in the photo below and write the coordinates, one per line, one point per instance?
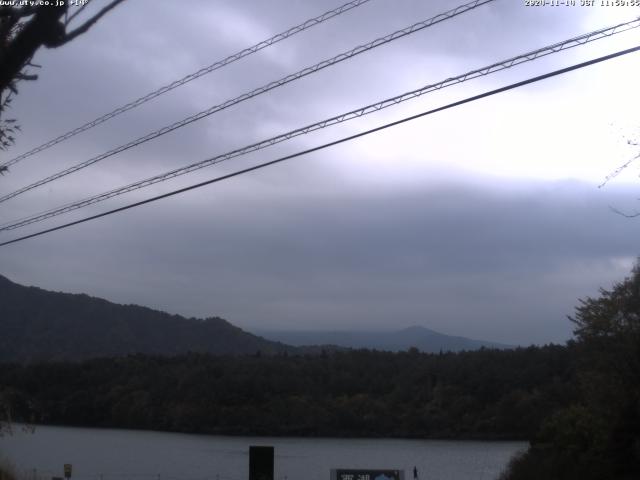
(366, 474)
(67, 470)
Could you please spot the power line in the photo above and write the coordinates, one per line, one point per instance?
(330, 144)
(192, 76)
(416, 27)
(495, 67)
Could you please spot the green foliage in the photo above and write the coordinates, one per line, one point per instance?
(482, 394)
(575, 432)
(616, 313)
(598, 437)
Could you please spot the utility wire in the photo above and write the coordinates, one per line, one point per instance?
(416, 27)
(192, 76)
(495, 67)
(330, 144)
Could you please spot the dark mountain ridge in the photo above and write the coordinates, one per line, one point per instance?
(40, 325)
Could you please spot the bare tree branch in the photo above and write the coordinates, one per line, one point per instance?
(25, 76)
(89, 23)
(23, 30)
(43, 29)
(78, 11)
(626, 215)
(619, 170)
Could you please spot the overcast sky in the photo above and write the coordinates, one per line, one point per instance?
(484, 221)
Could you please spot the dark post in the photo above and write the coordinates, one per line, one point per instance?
(260, 463)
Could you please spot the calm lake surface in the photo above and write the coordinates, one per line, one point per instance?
(98, 454)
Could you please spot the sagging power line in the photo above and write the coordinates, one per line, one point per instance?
(416, 27)
(188, 78)
(333, 143)
(493, 68)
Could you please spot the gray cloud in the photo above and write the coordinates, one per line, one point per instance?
(459, 258)
(374, 234)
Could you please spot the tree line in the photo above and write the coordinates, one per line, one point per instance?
(481, 394)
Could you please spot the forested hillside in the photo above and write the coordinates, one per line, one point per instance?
(482, 394)
(36, 324)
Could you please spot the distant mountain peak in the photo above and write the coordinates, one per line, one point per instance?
(417, 329)
(422, 338)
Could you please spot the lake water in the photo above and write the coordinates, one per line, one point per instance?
(103, 454)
